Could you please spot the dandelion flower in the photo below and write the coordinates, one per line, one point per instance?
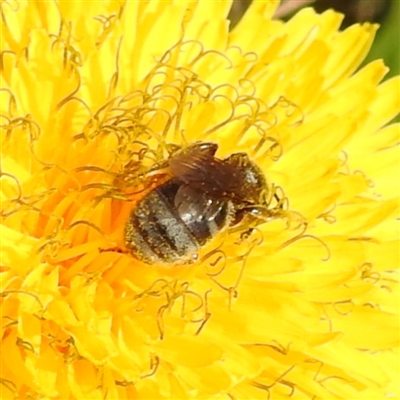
(305, 306)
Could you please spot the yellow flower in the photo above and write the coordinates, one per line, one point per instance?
(93, 90)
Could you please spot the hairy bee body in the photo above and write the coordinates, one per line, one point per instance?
(202, 196)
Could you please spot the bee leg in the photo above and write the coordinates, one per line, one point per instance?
(115, 249)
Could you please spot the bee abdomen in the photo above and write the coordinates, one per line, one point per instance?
(172, 222)
(156, 234)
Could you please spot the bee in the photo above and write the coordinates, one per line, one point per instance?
(202, 196)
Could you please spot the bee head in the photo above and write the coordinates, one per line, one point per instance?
(251, 180)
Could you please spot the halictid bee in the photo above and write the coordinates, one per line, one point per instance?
(201, 196)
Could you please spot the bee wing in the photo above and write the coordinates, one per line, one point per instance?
(201, 170)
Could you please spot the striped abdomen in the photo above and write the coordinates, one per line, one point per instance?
(172, 222)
